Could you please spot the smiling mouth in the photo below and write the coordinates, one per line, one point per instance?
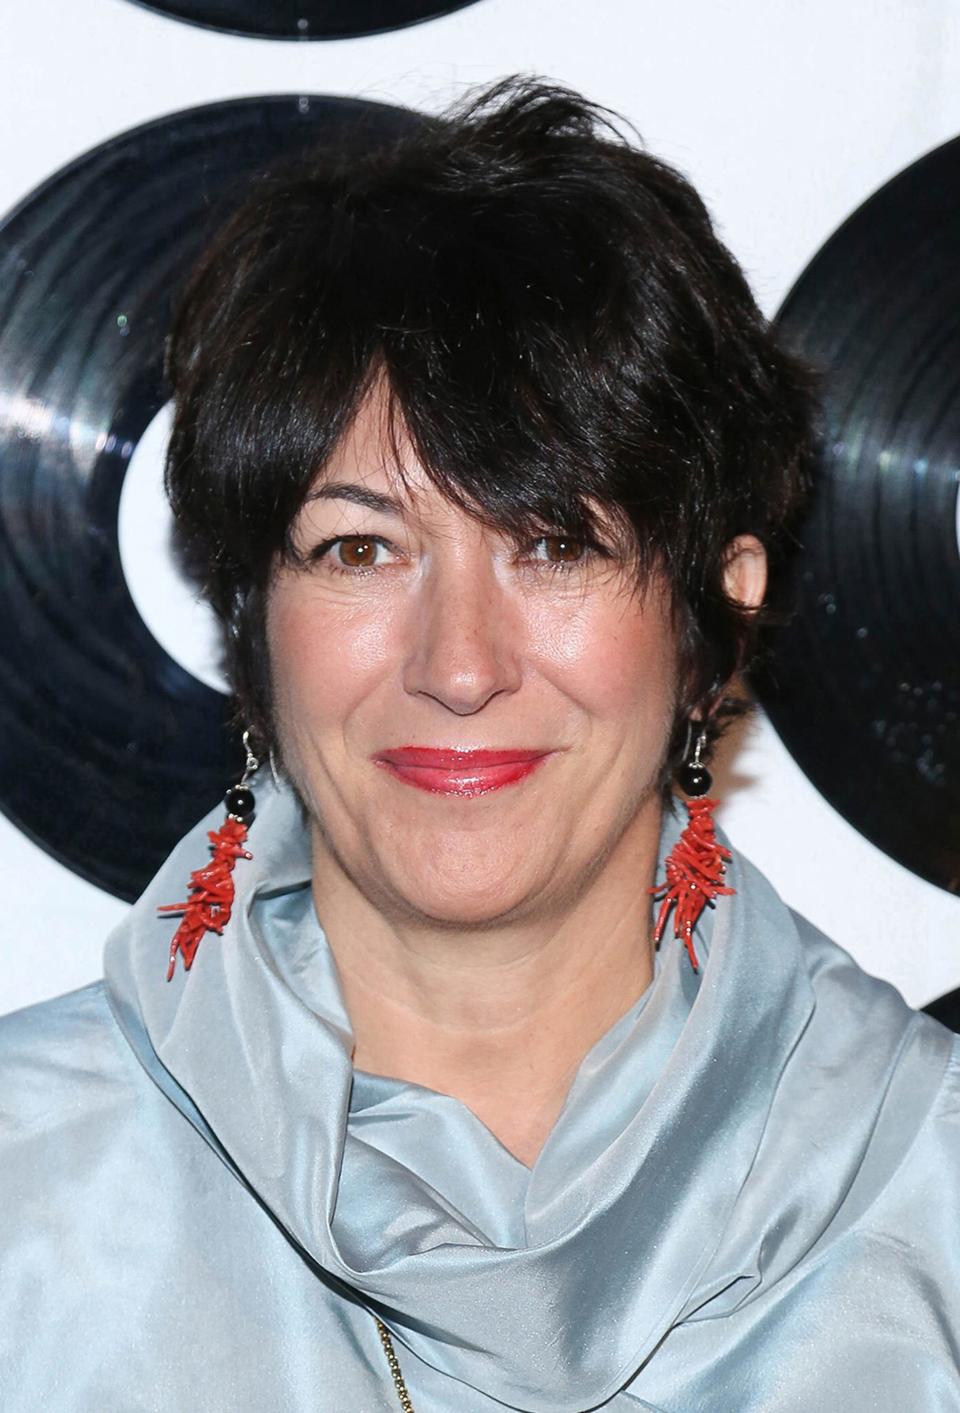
(463, 773)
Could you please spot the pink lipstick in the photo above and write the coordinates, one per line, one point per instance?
(465, 773)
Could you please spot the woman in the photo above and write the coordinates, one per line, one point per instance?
(480, 451)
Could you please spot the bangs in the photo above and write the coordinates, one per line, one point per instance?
(508, 341)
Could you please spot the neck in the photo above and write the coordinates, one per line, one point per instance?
(499, 1018)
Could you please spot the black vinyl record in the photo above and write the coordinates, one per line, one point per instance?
(946, 1009)
(109, 749)
(305, 19)
(864, 687)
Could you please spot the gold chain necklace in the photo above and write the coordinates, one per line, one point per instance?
(394, 1363)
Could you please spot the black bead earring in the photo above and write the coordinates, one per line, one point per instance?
(693, 777)
(239, 799)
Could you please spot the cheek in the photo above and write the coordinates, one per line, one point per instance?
(618, 660)
(323, 660)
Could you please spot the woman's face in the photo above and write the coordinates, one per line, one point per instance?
(414, 626)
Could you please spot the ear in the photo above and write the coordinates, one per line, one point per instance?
(745, 571)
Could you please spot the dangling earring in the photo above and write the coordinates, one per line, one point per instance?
(211, 887)
(696, 865)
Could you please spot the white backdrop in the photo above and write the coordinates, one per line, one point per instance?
(785, 116)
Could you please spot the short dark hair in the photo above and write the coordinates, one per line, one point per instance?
(558, 327)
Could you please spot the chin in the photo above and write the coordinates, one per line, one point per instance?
(461, 911)
(459, 892)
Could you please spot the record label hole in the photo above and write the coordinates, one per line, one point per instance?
(183, 625)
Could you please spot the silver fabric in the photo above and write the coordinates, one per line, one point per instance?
(750, 1201)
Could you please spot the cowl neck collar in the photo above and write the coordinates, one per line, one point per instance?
(551, 1308)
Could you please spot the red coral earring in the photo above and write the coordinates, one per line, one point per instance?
(696, 865)
(210, 902)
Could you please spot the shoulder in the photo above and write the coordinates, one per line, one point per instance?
(895, 1074)
(843, 989)
(862, 1022)
(849, 1213)
(71, 1023)
(62, 1056)
(869, 1084)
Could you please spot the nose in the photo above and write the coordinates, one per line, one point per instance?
(466, 637)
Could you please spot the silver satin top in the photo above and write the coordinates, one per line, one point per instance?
(750, 1201)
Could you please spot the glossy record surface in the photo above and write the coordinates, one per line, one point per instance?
(305, 19)
(865, 686)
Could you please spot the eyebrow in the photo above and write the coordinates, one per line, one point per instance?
(357, 495)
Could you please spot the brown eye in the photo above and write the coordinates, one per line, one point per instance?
(357, 554)
(561, 549)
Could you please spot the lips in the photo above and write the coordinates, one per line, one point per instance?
(452, 772)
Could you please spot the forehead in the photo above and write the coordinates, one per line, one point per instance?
(376, 452)
(375, 466)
